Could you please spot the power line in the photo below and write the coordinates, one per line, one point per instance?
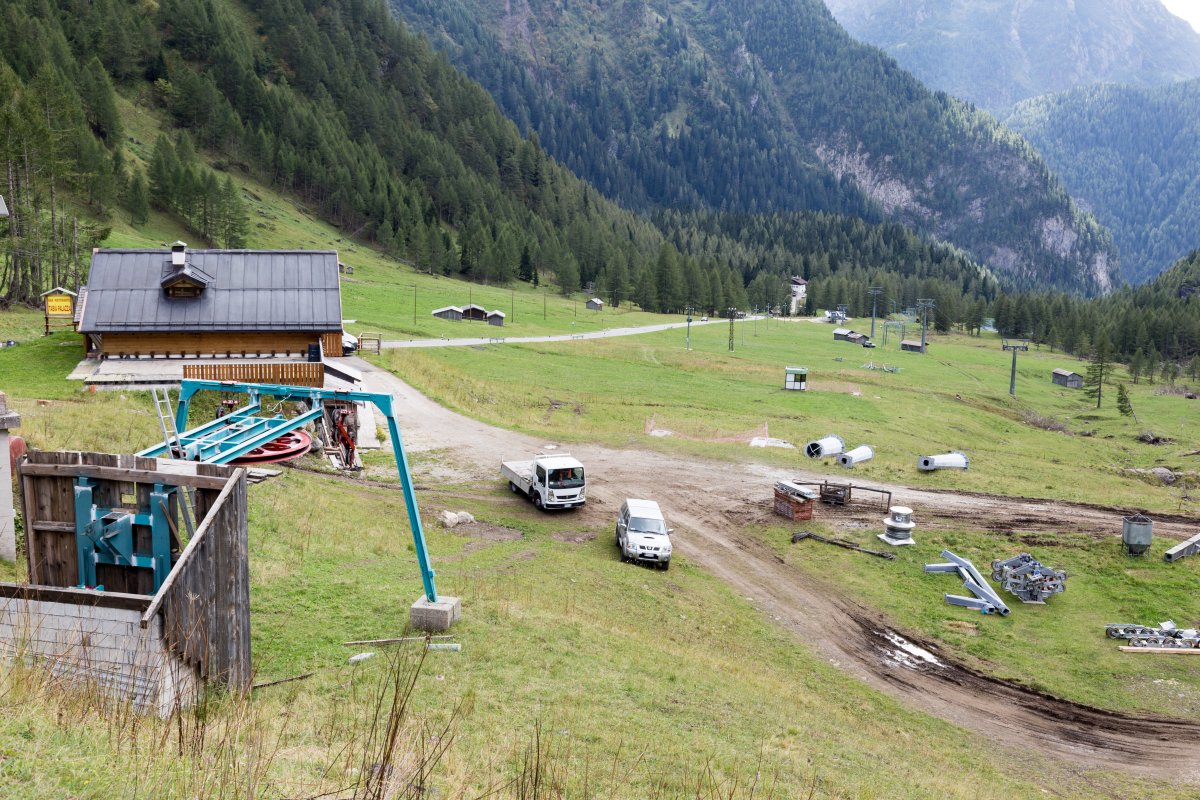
(874, 291)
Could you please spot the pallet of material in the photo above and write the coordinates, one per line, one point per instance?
(793, 502)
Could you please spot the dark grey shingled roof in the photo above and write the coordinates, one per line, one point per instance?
(251, 290)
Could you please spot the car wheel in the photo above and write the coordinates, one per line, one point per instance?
(666, 565)
(537, 500)
(513, 487)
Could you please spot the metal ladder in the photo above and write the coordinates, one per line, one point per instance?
(166, 422)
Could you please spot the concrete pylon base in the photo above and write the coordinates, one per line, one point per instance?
(883, 537)
(439, 616)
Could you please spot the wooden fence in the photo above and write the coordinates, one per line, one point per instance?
(287, 373)
(205, 599)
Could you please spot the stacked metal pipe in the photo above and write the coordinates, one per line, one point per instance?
(1025, 577)
(985, 600)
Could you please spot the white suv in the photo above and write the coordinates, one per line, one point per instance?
(642, 533)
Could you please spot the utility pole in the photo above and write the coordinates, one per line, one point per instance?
(414, 304)
(732, 312)
(924, 305)
(690, 311)
(874, 291)
(1012, 376)
(843, 311)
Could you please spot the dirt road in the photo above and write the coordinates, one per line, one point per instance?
(712, 503)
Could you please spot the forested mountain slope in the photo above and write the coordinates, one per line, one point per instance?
(999, 52)
(765, 106)
(1155, 327)
(363, 122)
(1132, 157)
(338, 105)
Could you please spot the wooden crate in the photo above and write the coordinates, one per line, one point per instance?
(792, 506)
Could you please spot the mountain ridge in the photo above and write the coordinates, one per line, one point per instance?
(997, 53)
(679, 105)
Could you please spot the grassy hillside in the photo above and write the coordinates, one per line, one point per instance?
(628, 685)
(615, 682)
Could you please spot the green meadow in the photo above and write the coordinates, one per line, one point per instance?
(1048, 442)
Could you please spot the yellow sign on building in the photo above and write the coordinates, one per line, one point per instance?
(60, 305)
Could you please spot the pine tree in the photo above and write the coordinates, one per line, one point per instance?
(1098, 368)
(137, 199)
(236, 219)
(1123, 404)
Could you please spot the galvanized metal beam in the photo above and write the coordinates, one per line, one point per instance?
(1184, 549)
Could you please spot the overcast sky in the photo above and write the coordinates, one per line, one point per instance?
(1188, 9)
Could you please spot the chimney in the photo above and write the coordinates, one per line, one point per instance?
(178, 254)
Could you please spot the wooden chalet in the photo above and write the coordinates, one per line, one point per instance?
(595, 304)
(182, 303)
(911, 346)
(1064, 377)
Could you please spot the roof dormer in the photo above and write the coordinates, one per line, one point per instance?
(181, 278)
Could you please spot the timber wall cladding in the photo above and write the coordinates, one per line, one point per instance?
(331, 344)
(288, 373)
(231, 344)
(196, 628)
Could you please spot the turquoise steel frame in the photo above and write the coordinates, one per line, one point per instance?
(239, 432)
(105, 535)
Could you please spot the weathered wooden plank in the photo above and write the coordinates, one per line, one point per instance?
(79, 597)
(53, 527)
(121, 474)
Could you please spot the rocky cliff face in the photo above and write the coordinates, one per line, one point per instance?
(998, 53)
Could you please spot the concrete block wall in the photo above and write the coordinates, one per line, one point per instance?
(101, 648)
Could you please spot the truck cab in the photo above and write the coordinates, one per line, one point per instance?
(550, 481)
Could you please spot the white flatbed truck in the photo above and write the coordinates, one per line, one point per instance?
(549, 481)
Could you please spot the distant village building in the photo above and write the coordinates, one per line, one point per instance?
(471, 313)
(1064, 377)
(448, 312)
(911, 345)
(181, 303)
(799, 288)
(595, 304)
(474, 313)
